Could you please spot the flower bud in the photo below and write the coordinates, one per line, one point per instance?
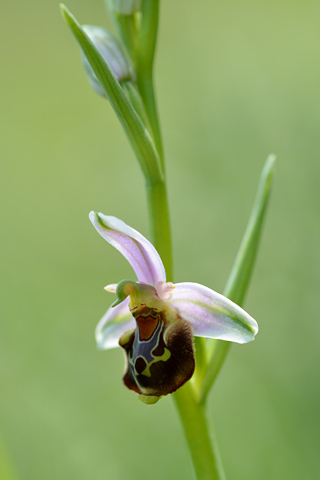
(112, 52)
(126, 7)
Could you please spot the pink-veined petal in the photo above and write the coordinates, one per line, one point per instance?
(139, 252)
(113, 324)
(211, 314)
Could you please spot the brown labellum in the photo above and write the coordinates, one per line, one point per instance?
(160, 354)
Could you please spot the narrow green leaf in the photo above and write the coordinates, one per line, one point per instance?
(241, 272)
(134, 96)
(240, 276)
(135, 130)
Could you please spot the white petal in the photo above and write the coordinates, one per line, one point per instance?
(112, 325)
(139, 252)
(211, 314)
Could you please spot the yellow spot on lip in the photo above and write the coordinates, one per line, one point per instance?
(164, 357)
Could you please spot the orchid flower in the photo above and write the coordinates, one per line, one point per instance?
(154, 321)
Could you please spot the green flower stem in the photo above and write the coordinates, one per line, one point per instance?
(147, 92)
(241, 273)
(207, 465)
(127, 29)
(205, 459)
(147, 39)
(159, 223)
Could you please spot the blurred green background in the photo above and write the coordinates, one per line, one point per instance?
(236, 81)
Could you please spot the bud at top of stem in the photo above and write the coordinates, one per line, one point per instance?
(112, 52)
(125, 7)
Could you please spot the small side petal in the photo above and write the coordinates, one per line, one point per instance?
(113, 324)
(139, 252)
(211, 314)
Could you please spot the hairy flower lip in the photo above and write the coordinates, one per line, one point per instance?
(137, 310)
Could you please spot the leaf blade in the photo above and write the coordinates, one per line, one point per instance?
(241, 272)
(135, 130)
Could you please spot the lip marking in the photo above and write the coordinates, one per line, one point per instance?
(146, 326)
